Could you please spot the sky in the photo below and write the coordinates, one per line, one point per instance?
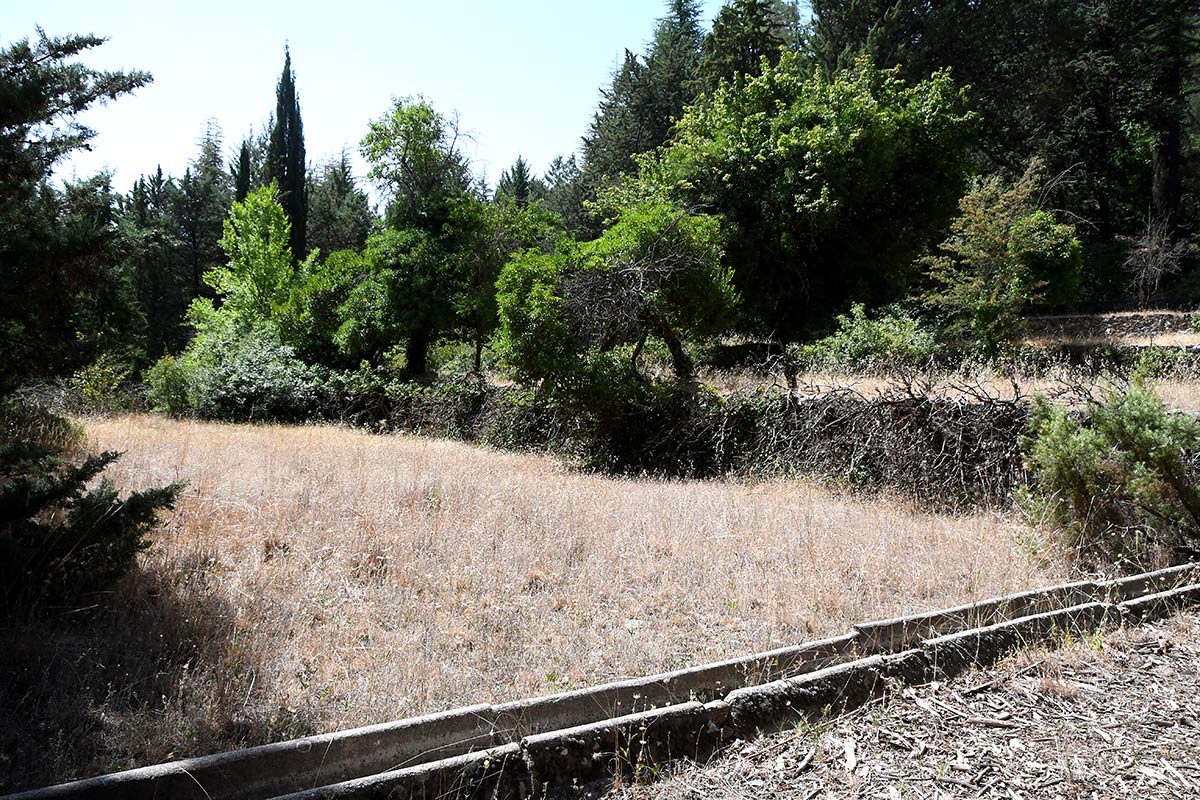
(524, 76)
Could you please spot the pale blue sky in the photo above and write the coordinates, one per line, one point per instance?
(524, 76)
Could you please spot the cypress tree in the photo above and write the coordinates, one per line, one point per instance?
(285, 155)
(241, 174)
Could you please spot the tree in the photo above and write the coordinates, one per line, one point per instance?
(205, 192)
(831, 187)
(520, 184)
(1102, 98)
(565, 192)
(241, 174)
(744, 33)
(339, 213)
(1002, 255)
(68, 298)
(1153, 255)
(656, 273)
(257, 278)
(157, 259)
(647, 95)
(55, 247)
(286, 164)
(406, 295)
(486, 236)
(418, 164)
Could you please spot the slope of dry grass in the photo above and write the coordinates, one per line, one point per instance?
(315, 578)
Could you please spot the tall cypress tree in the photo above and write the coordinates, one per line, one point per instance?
(241, 173)
(285, 155)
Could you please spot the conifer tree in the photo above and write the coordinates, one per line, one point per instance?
(241, 174)
(743, 34)
(646, 96)
(285, 155)
(519, 183)
(203, 201)
(339, 213)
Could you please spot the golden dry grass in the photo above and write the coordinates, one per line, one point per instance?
(1176, 393)
(334, 578)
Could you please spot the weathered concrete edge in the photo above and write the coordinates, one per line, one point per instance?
(452, 733)
(557, 763)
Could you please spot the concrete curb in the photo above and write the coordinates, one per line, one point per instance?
(573, 737)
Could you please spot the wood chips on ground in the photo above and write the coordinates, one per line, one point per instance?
(1112, 717)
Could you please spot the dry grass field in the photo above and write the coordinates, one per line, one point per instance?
(315, 578)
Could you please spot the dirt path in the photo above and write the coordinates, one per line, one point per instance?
(1107, 718)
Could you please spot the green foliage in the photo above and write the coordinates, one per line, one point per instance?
(1102, 102)
(238, 365)
(417, 161)
(234, 373)
(67, 296)
(258, 277)
(744, 34)
(1001, 256)
(339, 213)
(405, 294)
(1119, 484)
(640, 106)
(656, 273)
(831, 187)
(100, 386)
(286, 164)
(58, 538)
(861, 344)
(314, 310)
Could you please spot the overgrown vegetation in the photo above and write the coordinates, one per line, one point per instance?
(1120, 481)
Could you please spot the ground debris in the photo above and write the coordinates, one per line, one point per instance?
(1112, 718)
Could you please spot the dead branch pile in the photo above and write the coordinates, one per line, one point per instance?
(956, 451)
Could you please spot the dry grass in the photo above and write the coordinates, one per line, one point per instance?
(315, 578)
(1180, 394)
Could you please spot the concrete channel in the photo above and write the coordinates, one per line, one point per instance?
(550, 746)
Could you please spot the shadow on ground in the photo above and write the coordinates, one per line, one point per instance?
(153, 671)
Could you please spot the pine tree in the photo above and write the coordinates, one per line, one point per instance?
(339, 213)
(743, 34)
(205, 193)
(519, 183)
(285, 155)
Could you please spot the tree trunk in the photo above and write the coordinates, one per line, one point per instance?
(478, 355)
(1167, 119)
(416, 352)
(684, 371)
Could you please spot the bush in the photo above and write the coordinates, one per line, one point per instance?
(1119, 483)
(102, 386)
(893, 339)
(59, 539)
(1003, 254)
(234, 374)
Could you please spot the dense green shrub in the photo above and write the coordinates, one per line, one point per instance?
(1119, 483)
(894, 338)
(831, 186)
(58, 538)
(232, 373)
(577, 321)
